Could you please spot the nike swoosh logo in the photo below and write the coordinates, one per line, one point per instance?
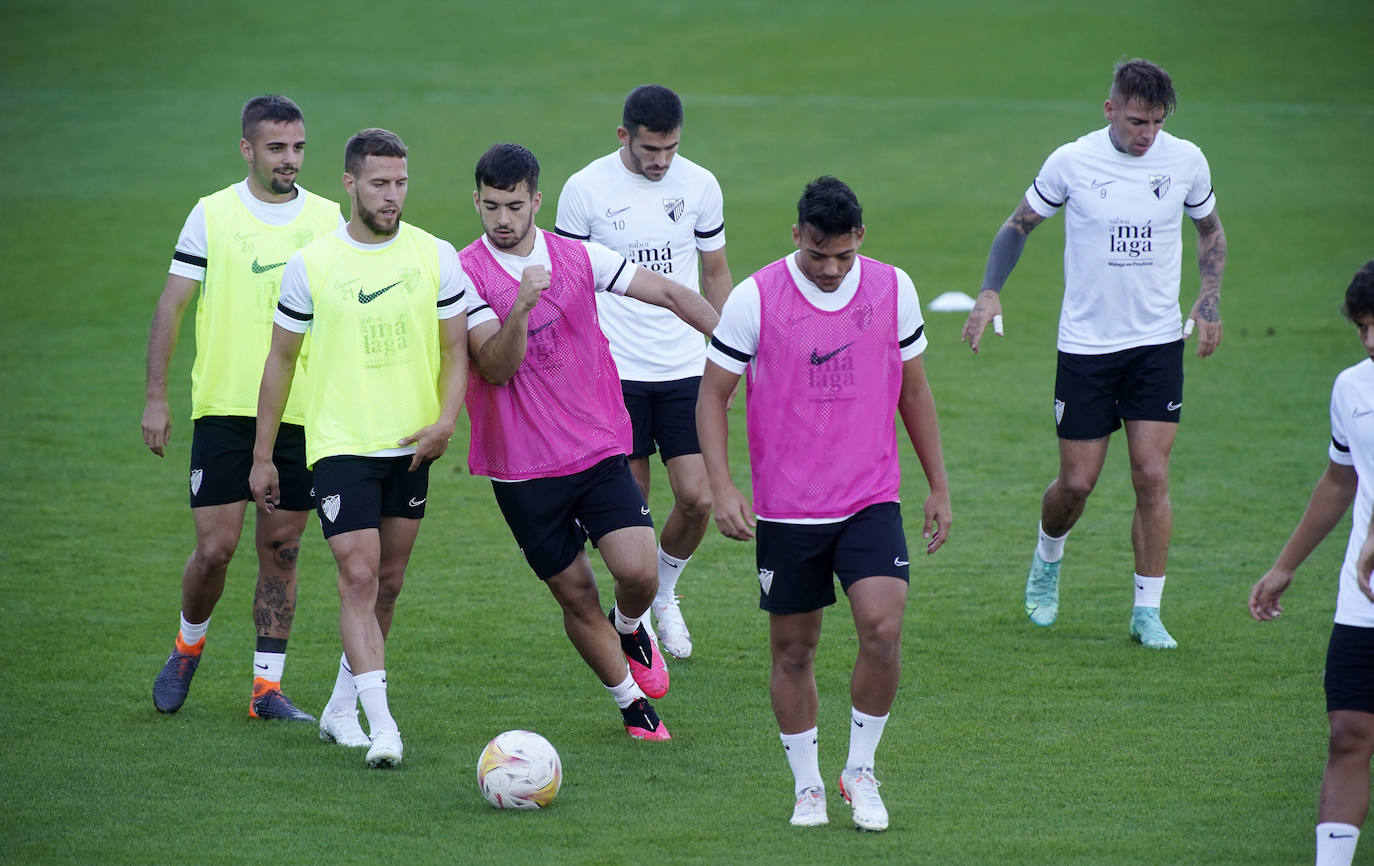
(1100, 184)
(416, 503)
(1172, 406)
(1139, 587)
(1341, 836)
(644, 509)
(1360, 414)
(897, 560)
(542, 327)
(259, 667)
(821, 359)
(262, 269)
(369, 298)
(610, 213)
(857, 722)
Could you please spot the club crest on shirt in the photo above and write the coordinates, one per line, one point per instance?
(1159, 185)
(303, 237)
(196, 475)
(862, 315)
(411, 278)
(673, 207)
(330, 506)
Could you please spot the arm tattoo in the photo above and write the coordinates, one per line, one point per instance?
(1211, 263)
(1024, 218)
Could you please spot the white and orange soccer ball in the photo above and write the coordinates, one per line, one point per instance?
(519, 770)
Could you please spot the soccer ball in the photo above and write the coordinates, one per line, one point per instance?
(519, 770)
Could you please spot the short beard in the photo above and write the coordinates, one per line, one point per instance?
(369, 219)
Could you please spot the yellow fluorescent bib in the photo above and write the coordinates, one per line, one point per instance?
(374, 343)
(244, 261)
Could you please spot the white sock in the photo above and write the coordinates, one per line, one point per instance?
(804, 758)
(269, 666)
(345, 696)
(1051, 549)
(1148, 591)
(627, 692)
(623, 623)
(192, 632)
(1336, 843)
(864, 733)
(371, 688)
(669, 570)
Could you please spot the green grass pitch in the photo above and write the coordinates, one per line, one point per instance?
(1007, 743)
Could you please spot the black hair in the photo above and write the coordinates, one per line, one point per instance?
(654, 107)
(828, 207)
(506, 166)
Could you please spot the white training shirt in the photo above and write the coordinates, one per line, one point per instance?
(1123, 245)
(192, 241)
(295, 296)
(661, 225)
(1352, 444)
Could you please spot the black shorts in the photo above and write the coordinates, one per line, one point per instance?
(1093, 394)
(663, 414)
(551, 518)
(354, 493)
(222, 457)
(1349, 677)
(796, 560)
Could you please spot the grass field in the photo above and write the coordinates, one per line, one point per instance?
(1007, 743)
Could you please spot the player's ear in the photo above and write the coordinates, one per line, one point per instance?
(796, 236)
(246, 149)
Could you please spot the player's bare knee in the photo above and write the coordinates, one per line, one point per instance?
(213, 553)
(356, 577)
(882, 640)
(389, 586)
(1151, 482)
(1352, 737)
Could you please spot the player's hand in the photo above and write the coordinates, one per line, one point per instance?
(430, 443)
(1207, 325)
(939, 516)
(264, 483)
(1264, 598)
(733, 516)
(534, 281)
(157, 426)
(986, 310)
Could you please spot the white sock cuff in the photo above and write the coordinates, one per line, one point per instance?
(269, 666)
(370, 680)
(669, 559)
(808, 736)
(625, 624)
(1148, 590)
(860, 716)
(1051, 549)
(627, 692)
(192, 632)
